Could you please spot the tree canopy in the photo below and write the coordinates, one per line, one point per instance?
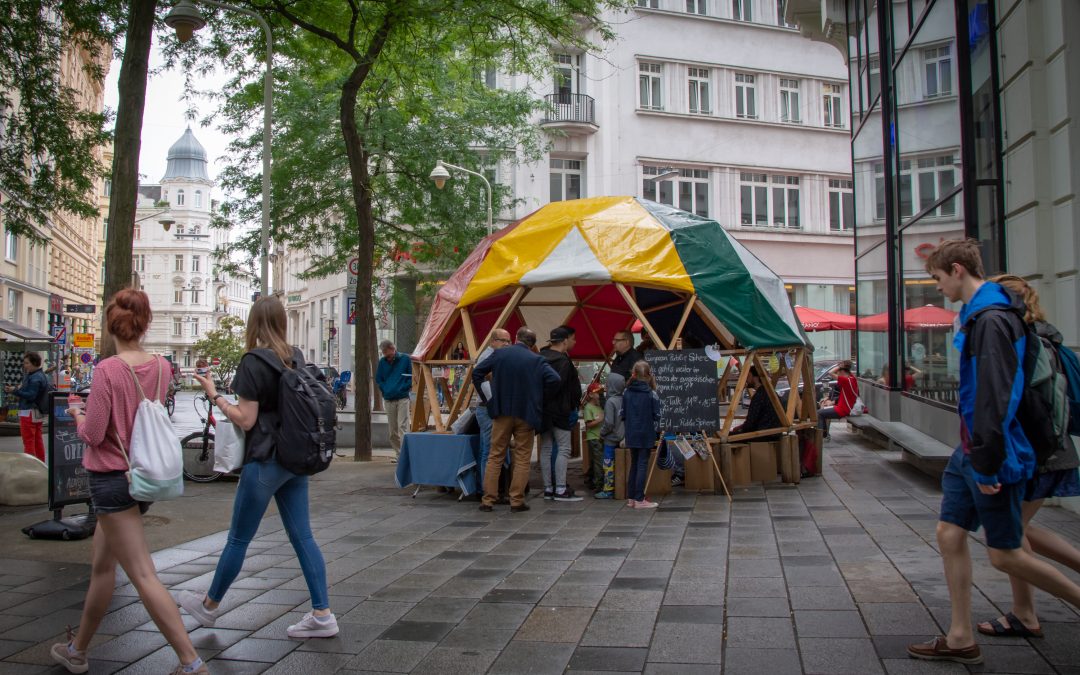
(226, 342)
(49, 140)
(369, 94)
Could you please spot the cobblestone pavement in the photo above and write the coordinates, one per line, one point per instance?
(835, 575)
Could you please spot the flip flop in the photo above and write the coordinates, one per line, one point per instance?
(1016, 628)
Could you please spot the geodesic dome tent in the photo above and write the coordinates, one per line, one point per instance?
(600, 264)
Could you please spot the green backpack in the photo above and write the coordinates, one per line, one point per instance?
(1044, 406)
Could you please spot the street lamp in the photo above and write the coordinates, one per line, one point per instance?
(185, 19)
(440, 175)
(166, 223)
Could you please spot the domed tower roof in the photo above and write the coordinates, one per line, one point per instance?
(187, 159)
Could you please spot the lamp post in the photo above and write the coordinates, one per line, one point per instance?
(185, 19)
(440, 175)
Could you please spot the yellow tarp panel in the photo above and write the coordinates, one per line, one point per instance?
(625, 238)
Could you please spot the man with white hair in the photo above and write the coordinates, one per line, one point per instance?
(393, 376)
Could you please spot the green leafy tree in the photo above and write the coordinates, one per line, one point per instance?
(48, 140)
(368, 95)
(226, 342)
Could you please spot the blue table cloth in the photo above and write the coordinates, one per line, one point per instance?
(440, 459)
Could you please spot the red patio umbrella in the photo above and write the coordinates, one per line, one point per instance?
(916, 318)
(819, 319)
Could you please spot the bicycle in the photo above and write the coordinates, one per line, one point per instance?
(340, 386)
(170, 401)
(198, 446)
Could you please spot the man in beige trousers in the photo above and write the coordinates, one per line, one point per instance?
(393, 376)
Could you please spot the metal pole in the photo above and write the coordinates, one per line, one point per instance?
(268, 95)
(486, 184)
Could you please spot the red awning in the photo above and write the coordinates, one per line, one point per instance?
(819, 319)
(927, 317)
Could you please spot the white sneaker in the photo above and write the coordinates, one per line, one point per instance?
(312, 626)
(646, 504)
(192, 603)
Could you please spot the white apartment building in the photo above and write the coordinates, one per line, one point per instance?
(753, 117)
(188, 291)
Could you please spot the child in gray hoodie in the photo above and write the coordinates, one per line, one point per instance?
(611, 432)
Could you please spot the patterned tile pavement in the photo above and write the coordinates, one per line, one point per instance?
(835, 575)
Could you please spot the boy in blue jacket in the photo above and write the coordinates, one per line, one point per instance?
(985, 479)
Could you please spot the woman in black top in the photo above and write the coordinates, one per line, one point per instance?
(256, 386)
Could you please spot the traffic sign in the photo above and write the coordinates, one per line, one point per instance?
(86, 357)
(350, 309)
(59, 335)
(82, 340)
(80, 309)
(333, 332)
(354, 267)
(215, 361)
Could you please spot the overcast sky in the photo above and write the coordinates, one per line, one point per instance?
(164, 119)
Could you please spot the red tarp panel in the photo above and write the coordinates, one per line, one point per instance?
(819, 319)
(916, 318)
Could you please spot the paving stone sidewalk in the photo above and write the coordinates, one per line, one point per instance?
(835, 575)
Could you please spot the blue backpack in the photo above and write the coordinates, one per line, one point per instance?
(1070, 366)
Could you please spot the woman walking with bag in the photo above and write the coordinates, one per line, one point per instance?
(256, 385)
(107, 429)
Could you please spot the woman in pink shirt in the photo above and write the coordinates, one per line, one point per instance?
(106, 424)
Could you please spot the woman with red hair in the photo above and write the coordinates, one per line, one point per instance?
(120, 383)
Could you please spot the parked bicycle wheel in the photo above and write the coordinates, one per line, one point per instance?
(170, 405)
(198, 449)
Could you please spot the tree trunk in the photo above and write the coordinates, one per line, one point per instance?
(127, 145)
(365, 315)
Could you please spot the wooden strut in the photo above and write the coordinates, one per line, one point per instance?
(682, 321)
(736, 396)
(770, 389)
(640, 315)
(504, 316)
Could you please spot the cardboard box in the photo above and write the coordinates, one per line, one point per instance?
(659, 486)
(700, 475)
(763, 462)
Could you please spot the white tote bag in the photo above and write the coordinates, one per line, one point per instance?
(155, 460)
(228, 447)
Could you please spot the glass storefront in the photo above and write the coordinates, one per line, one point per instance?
(926, 160)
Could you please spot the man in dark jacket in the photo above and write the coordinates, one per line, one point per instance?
(560, 410)
(985, 479)
(761, 414)
(34, 383)
(520, 381)
(393, 376)
(625, 354)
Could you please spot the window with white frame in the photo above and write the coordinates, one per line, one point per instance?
(650, 81)
(764, 207)
(196, 296)
(833, 109)
(699, 91)
(11, 246)
(489, 77)
(187, 359)
(566, 179)
(841, 205)
(198, 199)
(785, 201)
(179, 197)
(195, 229)
(178, 296)
(12, 305)
(696, 7)
(138, 262)
(196, 263)
(874, 83)
(741, 10)
(177, 328)
(781, 9)
(937, 62)
(745, 96)
(661, 191)
(789, 101)
(690, 188)
(136, 232)
(178, 262)
(922, 182)
(194, 328)
(181, 229)
(649, 4)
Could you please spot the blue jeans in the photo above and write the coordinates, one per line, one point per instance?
(258, 483)
(639, 471)
(484, 420)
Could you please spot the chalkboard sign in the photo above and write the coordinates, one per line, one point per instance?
(68, 481)
(686, 382)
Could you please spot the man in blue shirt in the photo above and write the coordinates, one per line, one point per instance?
(394, 379)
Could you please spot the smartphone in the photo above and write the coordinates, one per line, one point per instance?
(202, 371)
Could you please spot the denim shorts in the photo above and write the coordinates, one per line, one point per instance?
(1064, 483)
(963, 505)
(109, 492)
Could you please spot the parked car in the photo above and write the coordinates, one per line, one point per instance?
(329, 372)
(824, 378)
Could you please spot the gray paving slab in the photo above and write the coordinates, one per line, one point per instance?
(619, 629)
(771, 661)
(839, 656)
(532, 658)
(687, 643)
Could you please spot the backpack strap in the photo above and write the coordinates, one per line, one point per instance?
(270, 358)
(138, 386)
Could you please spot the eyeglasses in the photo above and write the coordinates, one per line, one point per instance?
(500, 340)
(621, 340)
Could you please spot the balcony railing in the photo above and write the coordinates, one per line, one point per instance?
(570, 108)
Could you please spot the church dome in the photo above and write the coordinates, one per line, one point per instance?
(186, 159)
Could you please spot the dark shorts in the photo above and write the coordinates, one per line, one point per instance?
(963, 505)
(1064, 483)
(109, 492)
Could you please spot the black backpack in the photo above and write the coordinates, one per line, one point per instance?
(306, 435)
(42, 402)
